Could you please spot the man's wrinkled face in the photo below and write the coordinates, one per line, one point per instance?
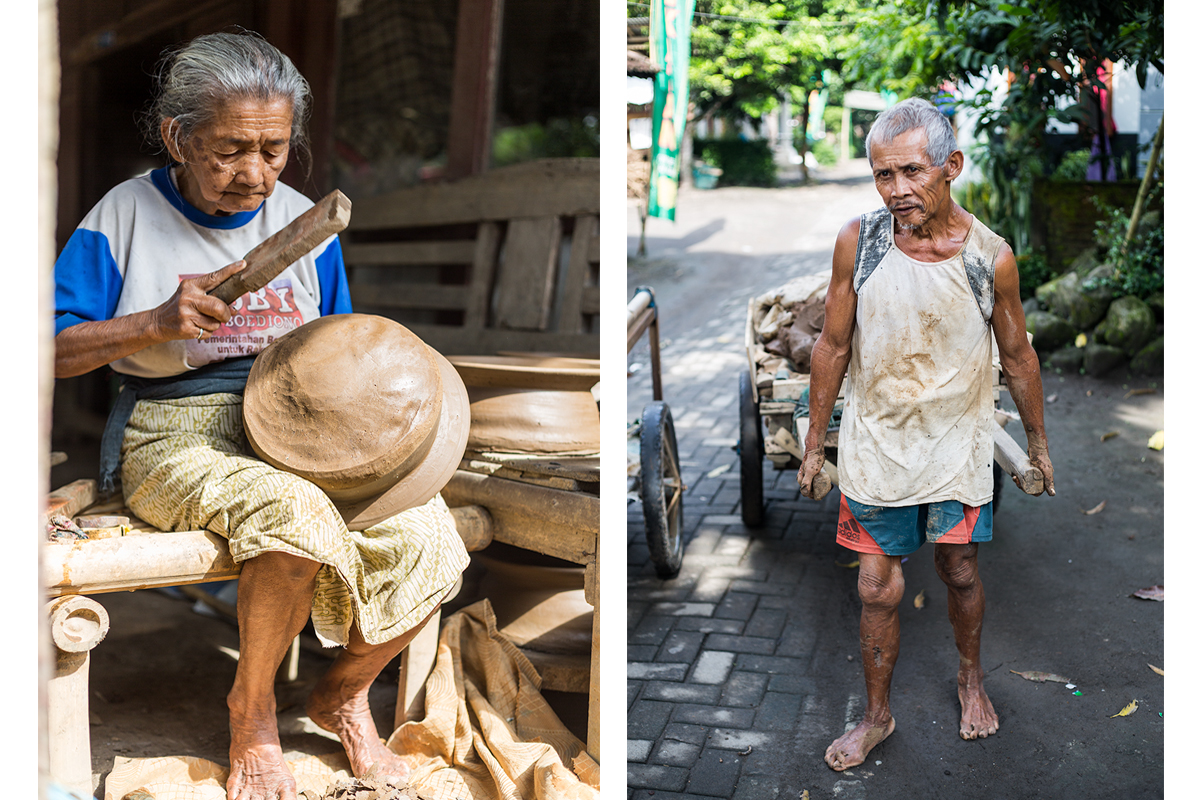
(911, 186)
(232, 163)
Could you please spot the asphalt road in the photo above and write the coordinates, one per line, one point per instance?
(1058, 580)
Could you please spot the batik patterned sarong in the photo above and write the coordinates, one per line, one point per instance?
(186, 466)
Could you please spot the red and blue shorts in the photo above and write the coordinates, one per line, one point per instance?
(901, 530)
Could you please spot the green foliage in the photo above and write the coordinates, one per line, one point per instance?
(825, 152)
(558, 138)
(1034, 270)
(1073, 167)
(756, 53)
(1139, 269)
(833, 120)
(1051, 48)
(742, 163)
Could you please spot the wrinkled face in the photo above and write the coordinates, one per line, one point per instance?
(232, 163)
(911, 187)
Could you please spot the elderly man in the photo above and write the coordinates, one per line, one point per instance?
(918, 289)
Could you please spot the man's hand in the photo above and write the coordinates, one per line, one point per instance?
(191, 313)
(1040, 458)
(810, 469)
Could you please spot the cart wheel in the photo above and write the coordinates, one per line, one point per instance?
(999, 478)
(750, 449)
(662, 490)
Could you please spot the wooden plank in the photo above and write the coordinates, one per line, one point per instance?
(589, 301)
(69, 500)
(455, 340)
(400, 253)
(483, 272)
(554, 186)
(410, 295)
(525, 284)
(586, 229)
(139, 24)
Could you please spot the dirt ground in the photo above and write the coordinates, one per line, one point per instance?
(158, 683)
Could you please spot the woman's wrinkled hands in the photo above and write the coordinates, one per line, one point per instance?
(191, 313)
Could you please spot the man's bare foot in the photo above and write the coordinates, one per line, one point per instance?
(979, 719)
(852, 748)
(351, 720)
(257, 769)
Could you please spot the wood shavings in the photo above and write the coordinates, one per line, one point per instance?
(1109, 435)
(1133, 392)
(1156, 669)
(1097, 509)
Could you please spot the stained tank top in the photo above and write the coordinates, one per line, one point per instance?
(917, 423)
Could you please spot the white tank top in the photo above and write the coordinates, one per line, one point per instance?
(917, 424)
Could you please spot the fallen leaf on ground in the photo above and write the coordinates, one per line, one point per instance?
(1156, 669)
(1097, 509)
(1132, 392)
(851, 565)
(1149, 593)
(1109, 435)
(1040, 677)
(919, 600)
(804, 795)
(1156, 441)
(1052, 398)
(1127, 710)
(718, 471)
(1081, 340)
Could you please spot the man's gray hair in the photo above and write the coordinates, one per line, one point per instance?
(194, 80)
(915, 113)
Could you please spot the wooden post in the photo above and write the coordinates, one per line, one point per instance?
(473, 99)
(77, 624)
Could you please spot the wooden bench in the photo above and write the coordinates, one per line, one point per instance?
(72, 572)
(508, 260)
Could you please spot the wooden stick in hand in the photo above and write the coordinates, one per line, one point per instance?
(285, 247)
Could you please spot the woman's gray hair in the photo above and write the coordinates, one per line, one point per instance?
(915, 113)
(194, 80)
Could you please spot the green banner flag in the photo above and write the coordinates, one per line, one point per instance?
(670, 50)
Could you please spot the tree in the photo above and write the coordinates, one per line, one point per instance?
(748, 55)
(1052, 51)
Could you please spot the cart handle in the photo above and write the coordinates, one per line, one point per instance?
(642, 315)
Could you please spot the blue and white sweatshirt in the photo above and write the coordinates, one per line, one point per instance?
(131, 251)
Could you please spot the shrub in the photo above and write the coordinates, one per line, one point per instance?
(742, 162)
(1137, 271)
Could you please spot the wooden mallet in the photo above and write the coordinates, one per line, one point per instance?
(285, 247)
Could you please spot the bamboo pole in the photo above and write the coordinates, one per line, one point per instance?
(1144, 190)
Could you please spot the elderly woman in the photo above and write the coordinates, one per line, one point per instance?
(131, 292)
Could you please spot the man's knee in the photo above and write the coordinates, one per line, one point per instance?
(880, 586)
(957, 565)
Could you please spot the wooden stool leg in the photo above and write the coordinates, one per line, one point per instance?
(77, 624)
(416, 662)
(591, 587)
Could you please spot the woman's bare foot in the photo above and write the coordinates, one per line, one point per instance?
(351, 720)
(979, 719)
(852, 748)
(257, 769)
